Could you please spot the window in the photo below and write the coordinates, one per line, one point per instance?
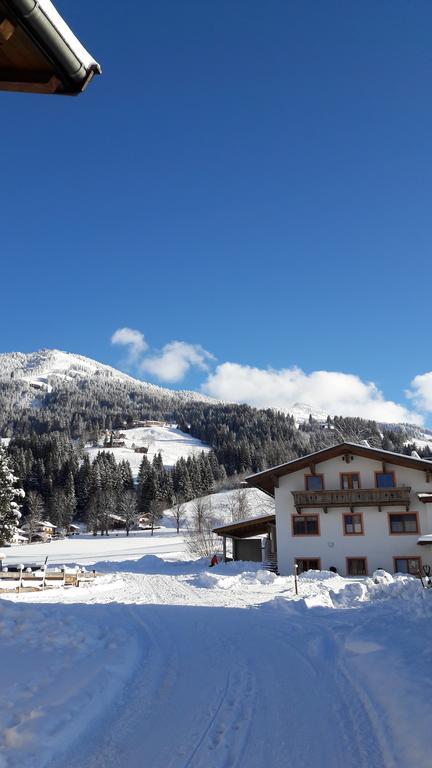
(405, 523)
(309, 564)
(353, 524)
(314, 482)
(356, 566)
(350, 480)
(305, 525)
(385, 479)
(409, 565)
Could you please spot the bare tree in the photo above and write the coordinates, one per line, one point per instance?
(178, 513)
(200, 539)
(129, 510)
(155, 513)
(36, 511)
(237, 505)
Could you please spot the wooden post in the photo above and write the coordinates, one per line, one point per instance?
(20, 584)
(295, 578)
(224, 548)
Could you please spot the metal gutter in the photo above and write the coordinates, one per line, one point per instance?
(43, 30)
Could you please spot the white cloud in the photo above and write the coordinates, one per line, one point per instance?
(421, 392)
(133, 340)
(332, 392)
(174, 360)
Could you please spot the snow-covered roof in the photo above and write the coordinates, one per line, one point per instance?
(267, 479)
(41, 53)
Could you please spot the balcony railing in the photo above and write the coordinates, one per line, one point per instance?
(360, 497)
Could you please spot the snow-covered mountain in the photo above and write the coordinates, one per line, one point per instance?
(48, 367)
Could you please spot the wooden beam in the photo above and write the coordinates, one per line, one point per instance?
(30, 87)
(275, 480)
(312, 468)
(6, 31)
(384, 466)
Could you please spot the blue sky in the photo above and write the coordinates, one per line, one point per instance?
(250, 177)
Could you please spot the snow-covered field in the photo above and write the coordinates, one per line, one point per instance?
(172, 443)
(87, 549)
(162, 662)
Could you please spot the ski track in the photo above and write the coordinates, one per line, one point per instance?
(220, 700)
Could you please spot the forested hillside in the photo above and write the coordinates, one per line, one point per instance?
(49, 418)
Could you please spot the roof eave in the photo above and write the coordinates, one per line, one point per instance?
(267, 480)
(74, 66)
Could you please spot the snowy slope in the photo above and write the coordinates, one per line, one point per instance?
(46, 367)
(420, 439)
(184, 667)
(169, 441)
(225, 504)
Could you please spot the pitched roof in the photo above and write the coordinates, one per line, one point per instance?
(267, 479)
(39, 52)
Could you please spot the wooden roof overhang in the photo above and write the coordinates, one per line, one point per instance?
(268, 480)
(254, 527)
(36, 56)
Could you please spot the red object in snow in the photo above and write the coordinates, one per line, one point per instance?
(213, 561)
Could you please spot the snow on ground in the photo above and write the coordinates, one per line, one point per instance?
(87, 549)
(171, 442)
(170, 664)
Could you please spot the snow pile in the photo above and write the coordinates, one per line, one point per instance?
(383, 586)
(223, 578)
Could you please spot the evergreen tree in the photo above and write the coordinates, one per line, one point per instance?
(10, 494)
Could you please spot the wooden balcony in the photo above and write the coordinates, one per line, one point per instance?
(361, 497)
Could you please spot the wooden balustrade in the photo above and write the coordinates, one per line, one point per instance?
(359, 497)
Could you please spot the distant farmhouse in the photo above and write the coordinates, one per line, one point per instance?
(349, 508)
(38, 51)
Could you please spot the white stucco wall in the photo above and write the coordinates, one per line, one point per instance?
(332, 546)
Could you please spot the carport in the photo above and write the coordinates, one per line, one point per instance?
(253, 539)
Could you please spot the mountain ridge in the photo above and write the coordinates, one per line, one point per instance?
(42, 368)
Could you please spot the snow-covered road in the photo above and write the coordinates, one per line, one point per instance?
(223, 669)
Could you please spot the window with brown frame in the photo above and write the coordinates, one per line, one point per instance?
(350, 480)
(409, 565)
(403, 523)
(353, 524)
(305, 525)
(314, 482)
(385, 479)
(356, 566)
(309, 564)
